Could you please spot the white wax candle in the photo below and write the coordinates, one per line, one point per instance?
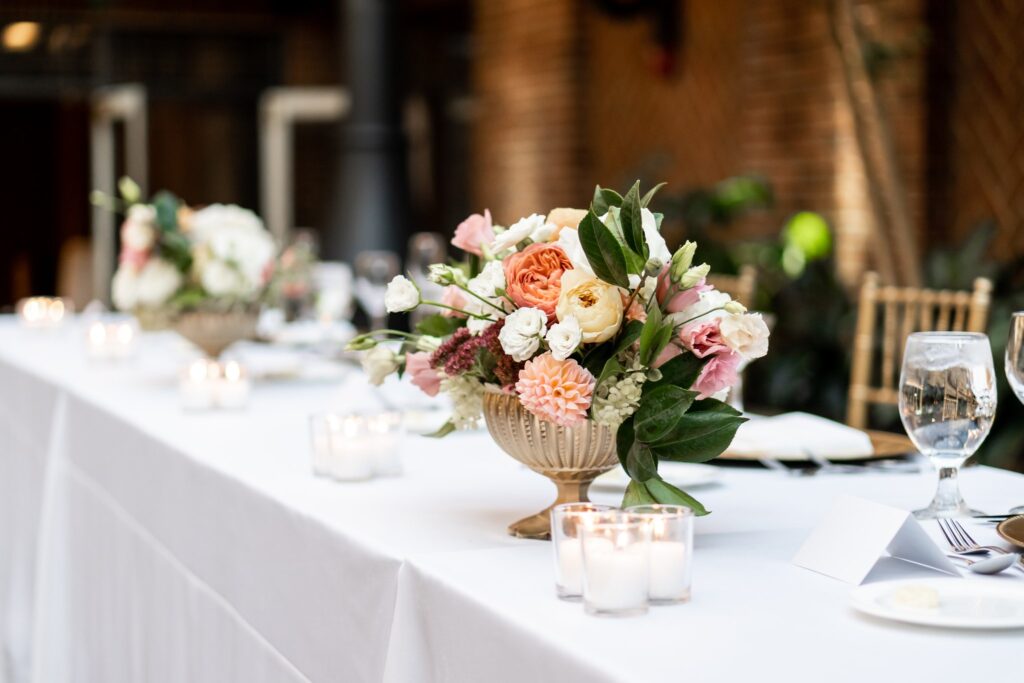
(41, 312)
(615, 577)
(232, 387)
(670, 575)
(109, 341)
(569, 567)
(196, 387)
(351, 450)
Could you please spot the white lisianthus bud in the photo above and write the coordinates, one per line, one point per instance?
(378, 363)
(444, 274)
(401, 295)
(682, 260)
(653, 267)
(523, 330)
(564, 338)
(428, 343)
(694, 275)
(735, 307)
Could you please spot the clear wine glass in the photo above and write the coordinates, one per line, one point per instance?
(374, 270)
(1014, 367)
(425, 248)
(947, 404)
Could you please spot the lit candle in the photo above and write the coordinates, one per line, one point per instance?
(110, 340)
(232, 389)
(196, 387)
(351, 452)
(42, 312)
(567, 523)
(616, 570)
(671, 529)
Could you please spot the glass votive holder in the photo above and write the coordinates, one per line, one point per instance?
(111, 338)
(671, 528)
(567, 521)
(616, 566)
(233, 385)
(197, 385)
(341, 447)
(43, 312)
(385, 432)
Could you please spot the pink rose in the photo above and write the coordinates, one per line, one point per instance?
(417, 366)
(453, 296)
(718, 373)
(704, 339)
(680, 300)
(474, 232)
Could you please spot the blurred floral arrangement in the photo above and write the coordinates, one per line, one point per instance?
(175, 258)
(292, 288)
(583, 314)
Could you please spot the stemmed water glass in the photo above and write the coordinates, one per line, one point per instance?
(425, 248)
(374, 270)
(947, 403)
(1014, 366)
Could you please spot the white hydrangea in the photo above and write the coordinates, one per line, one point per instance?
(235, 236)
(619, 397)
(467, 396)
(157, 282)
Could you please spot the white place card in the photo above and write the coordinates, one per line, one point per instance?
(857, 535)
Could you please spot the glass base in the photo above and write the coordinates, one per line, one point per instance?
(1019, 510)
(564, 594)
(959, 512)
(625, 612)
(670, 601)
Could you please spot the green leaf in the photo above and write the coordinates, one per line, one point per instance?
(667, 494)
(641, 464)
(660, 410)
(604, 253)
(446, 429)
(650, 194)
(604, 199)
(629, 334)
(438, 325)
(611, 367)
(625, 437)
(702, 433)
(631, 220)
(681, 371)
(596, 357)
(651, 335)
(166, 205)
(637, 494)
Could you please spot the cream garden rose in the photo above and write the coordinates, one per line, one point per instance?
(596, 305)
(746, 334)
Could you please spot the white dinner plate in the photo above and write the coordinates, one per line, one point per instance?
(683, 475)
(962, 603)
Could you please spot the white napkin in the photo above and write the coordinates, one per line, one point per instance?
(794, 435)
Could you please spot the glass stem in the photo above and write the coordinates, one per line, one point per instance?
(947, 495)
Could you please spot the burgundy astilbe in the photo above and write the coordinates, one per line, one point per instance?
(448, 347)
(505, 369)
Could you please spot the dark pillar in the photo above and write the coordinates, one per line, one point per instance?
(370, 204)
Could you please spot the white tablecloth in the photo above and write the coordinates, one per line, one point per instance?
(141, 543)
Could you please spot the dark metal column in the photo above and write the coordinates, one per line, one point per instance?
(370, 204)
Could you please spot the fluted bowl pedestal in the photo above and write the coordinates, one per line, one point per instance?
(214, 331)
(571, 457)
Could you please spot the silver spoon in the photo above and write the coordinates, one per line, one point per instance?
(989, 565)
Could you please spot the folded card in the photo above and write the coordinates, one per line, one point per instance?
(856, 535)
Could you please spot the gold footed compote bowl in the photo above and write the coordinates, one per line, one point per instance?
(214, 331)
(571, 457)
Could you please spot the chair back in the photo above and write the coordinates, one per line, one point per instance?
(886, 316)
(741, 287)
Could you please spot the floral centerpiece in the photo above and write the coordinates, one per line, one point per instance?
(204, 269)
(585, 328)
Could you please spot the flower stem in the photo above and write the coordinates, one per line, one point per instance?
(458, 310)
(481, 298)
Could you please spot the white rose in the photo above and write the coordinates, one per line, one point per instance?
(221, 279)
(517, 232)
(401, 295)
(746, 334)
(569, 241)
(124, 288)
(157, 282)
(237, 235)
(489, 281)
(523, 330)
(705, 308)
(139, 232)
(564, 337)
(378, 363)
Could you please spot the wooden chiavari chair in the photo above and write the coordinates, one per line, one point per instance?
(896, 312)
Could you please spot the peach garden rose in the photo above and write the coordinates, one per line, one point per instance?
(533, 277)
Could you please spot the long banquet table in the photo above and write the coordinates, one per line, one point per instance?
(141, 543)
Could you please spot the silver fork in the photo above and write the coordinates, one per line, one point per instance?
(962, 542)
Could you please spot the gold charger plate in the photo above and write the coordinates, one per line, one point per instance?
(885, 444)
(1012, 530)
